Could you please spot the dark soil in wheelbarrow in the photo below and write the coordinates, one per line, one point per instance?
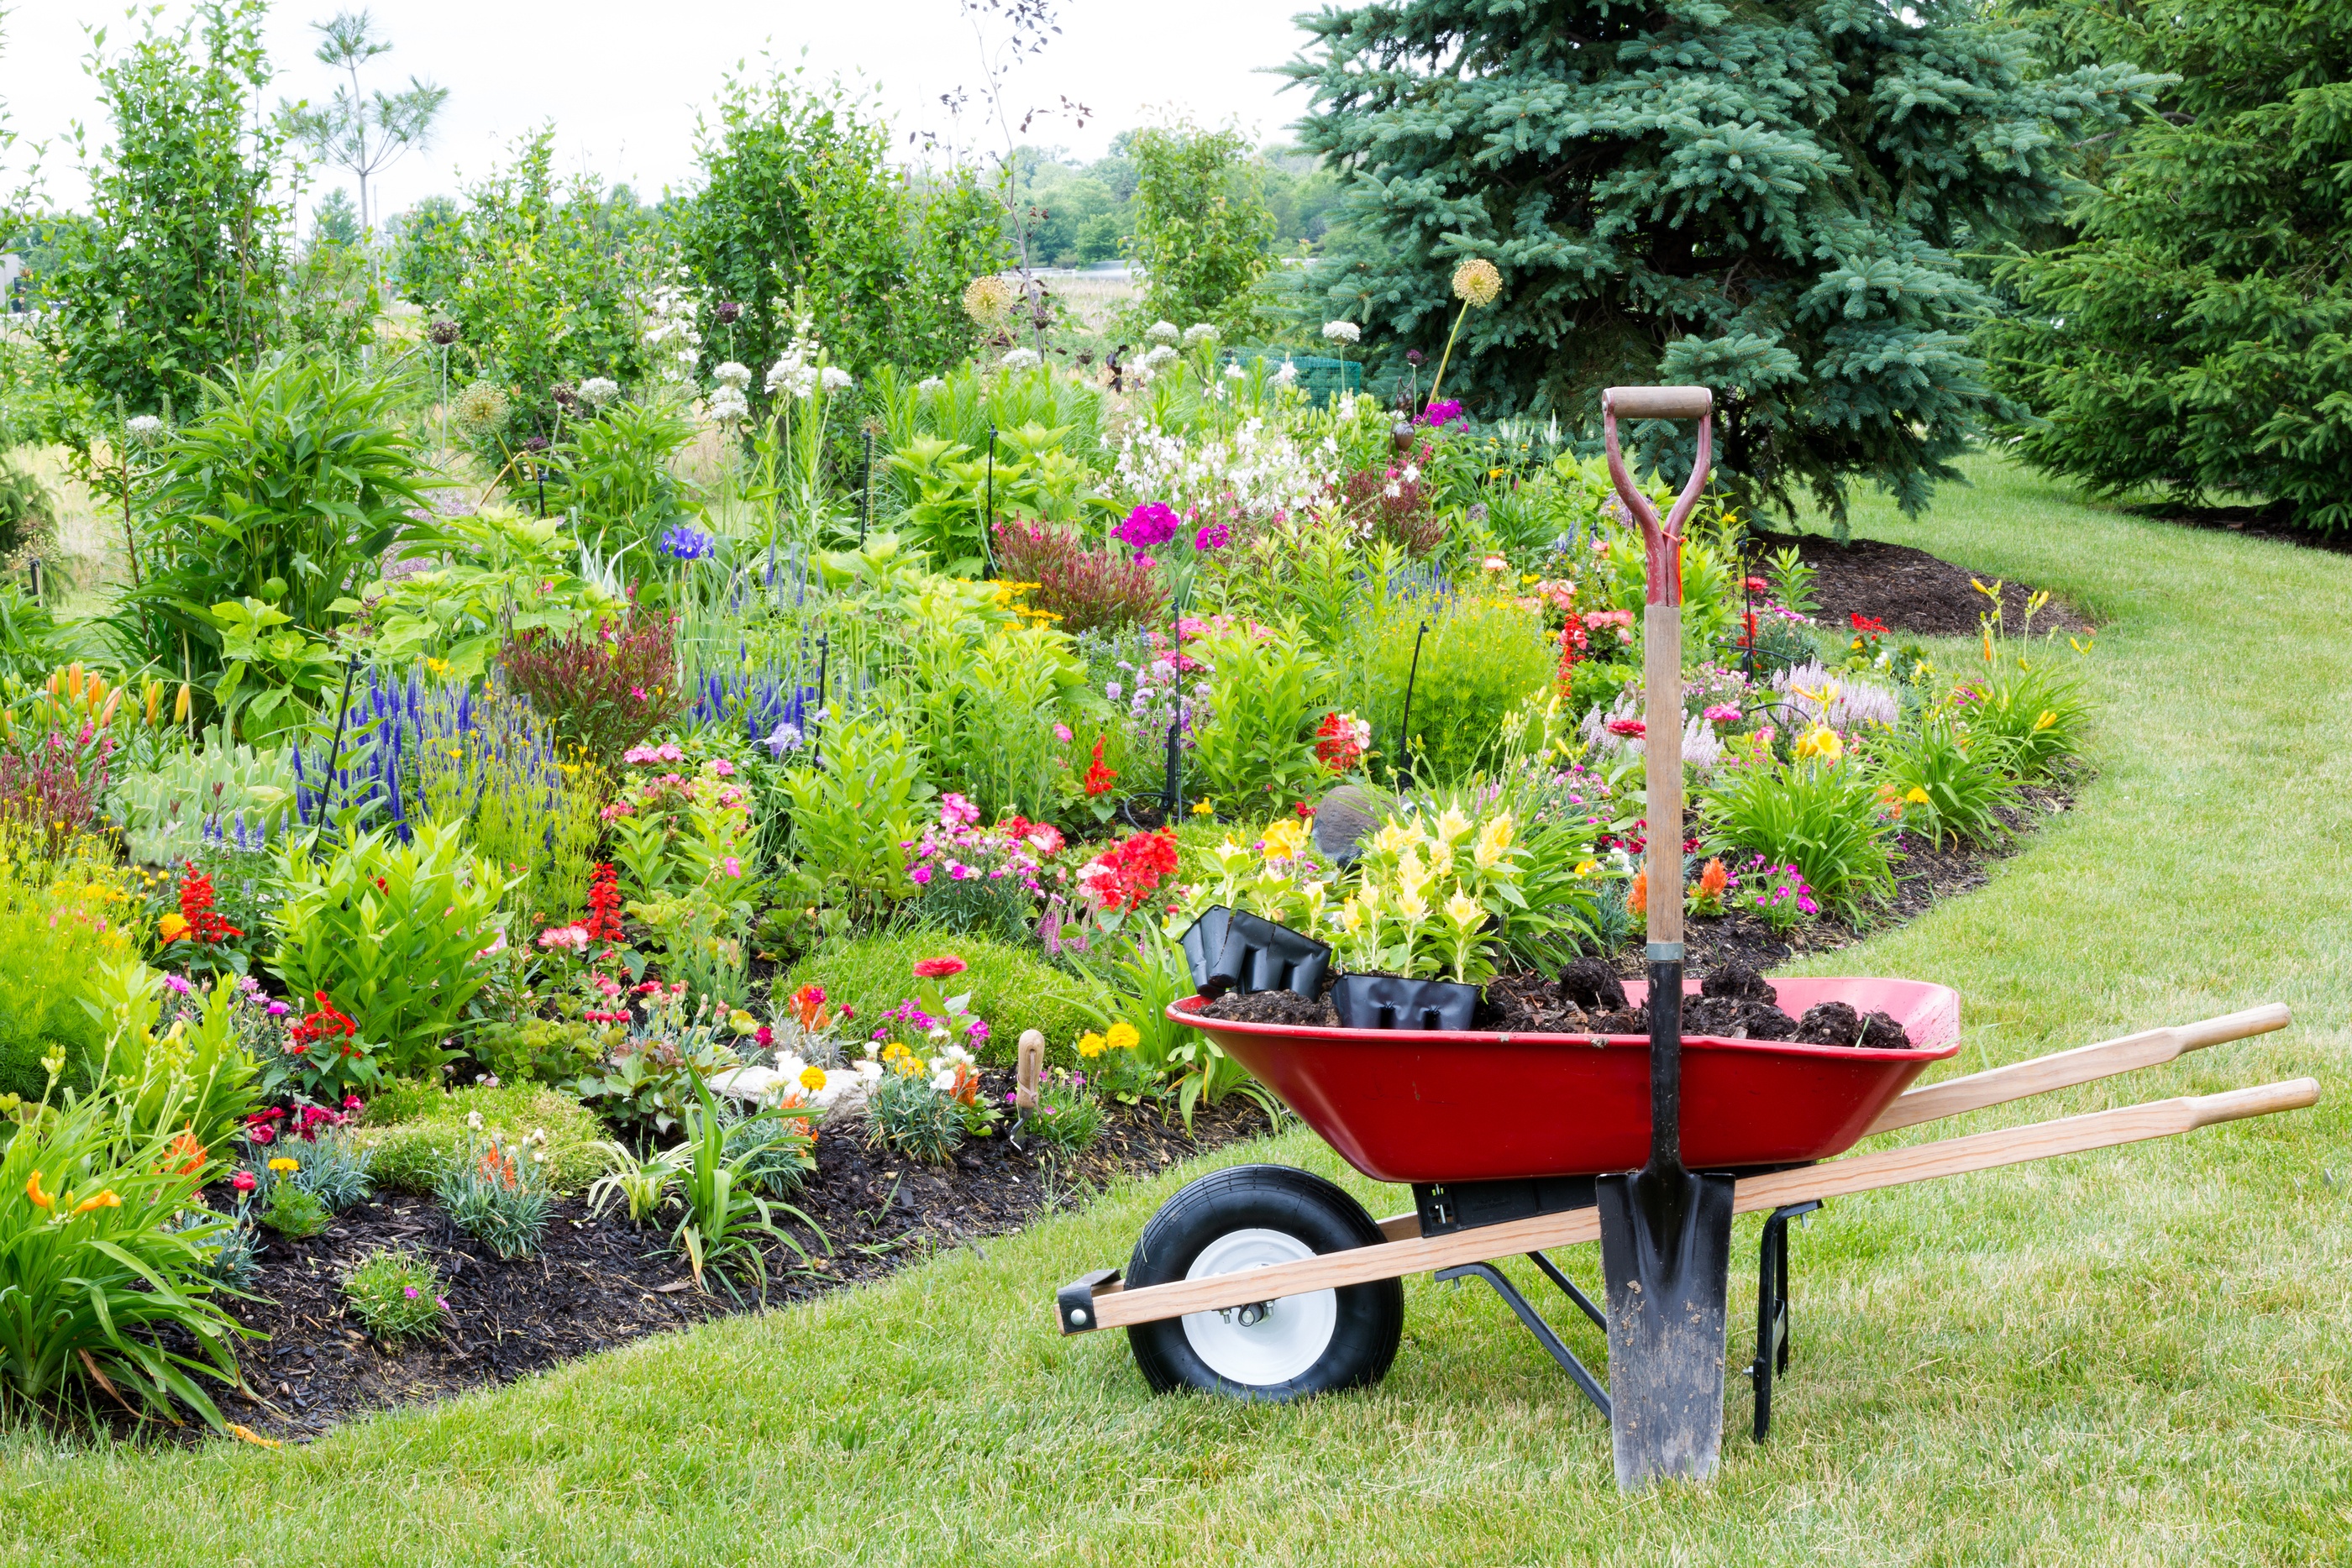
(1587, 998)
(600, 1282)
(1912, 592)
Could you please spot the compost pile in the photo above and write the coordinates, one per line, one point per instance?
(1734, 1003)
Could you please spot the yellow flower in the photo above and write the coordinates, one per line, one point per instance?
(103, 1200)
(1451, 824)
(1284, 840)
(1412, 908)
(1494, 841)
(172, 927)
(1122, 1037)
(437, 666)
(1918, 796)
(1821, 741)
(285, 1167)
(1201, 808)
(743, 1023)
(2044, 721)
(813, 1079)
(1394, 836)
(1091, 1045)
(1464, 911)
(1586, 868)
(1477, 282)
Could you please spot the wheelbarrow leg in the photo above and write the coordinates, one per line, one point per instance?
(1534, 1324)
(1772, 1310)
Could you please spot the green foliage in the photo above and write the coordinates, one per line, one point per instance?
(391, 933)
(1254, 747)
(853, 811)
(644, 1183)
(1482, 659)
(294, 1211)
(197, 1076)
(496, 1193)
(799, 201)
(417, 1129)
(612, 475)
(1824, 819)
(980, 697)
(334, 1169)
(264, 511)
(2195, 336)
(543, 1051)
(773, 1150)
(911, 1117)
(725, 1223)
(2030, 704)
(48, 953)
(540, 278)
(397, 1293)
(1767, 202)
(163, 810)
(949, 485)
(1069, 1117)
(1010, 987)
(1949, 781)
(88, 1293)
(1202, 229)
(499, 574)
(178, 271)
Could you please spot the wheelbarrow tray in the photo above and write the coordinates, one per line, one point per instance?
(1438, 1105)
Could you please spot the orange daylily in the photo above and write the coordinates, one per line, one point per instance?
(32, 1190)
(103, 1200)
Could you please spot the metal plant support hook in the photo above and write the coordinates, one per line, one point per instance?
(1402, 767)
(987, 521)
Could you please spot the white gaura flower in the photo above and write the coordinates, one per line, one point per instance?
(1233, 372)
(1163, 332)
(1342, 331)
(1020, 359)
(836, 379)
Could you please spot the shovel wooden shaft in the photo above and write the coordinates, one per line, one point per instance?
(1661, 766)
(2065, 1068)
(1116, 1308)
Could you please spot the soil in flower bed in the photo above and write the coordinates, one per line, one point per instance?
(1911, 591)
(600, 1282)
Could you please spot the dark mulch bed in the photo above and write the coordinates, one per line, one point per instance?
(2270, 522)
(1912, 591)
(599, 1283)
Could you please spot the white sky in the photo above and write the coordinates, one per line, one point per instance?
(623, 82)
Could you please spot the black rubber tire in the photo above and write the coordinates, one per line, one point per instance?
(1370, 1320)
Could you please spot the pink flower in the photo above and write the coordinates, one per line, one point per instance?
(1062, 733)
(921, 876)
(244, 1181)
(638, 692)
(734, 866)
(1722, 713)
(940, 967)
(722, 767)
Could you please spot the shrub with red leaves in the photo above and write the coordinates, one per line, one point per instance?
(1395, 502)
(604, 689)
(1086, 590)
(54, 783)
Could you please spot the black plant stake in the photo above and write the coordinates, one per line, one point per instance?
(1171, 793)
(816, 719)
(335, 742)
(866, 519)
(1404, 726)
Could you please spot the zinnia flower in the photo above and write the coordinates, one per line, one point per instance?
(940, 967)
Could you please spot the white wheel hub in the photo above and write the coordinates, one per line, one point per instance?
(1265, 1343)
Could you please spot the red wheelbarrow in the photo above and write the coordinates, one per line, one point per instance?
(1270, 1282)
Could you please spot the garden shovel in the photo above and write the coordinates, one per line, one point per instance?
(1666, 1231)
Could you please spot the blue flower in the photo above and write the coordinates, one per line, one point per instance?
(787, 737)
(685, 543)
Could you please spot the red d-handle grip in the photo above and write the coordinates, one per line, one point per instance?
(1662, 541)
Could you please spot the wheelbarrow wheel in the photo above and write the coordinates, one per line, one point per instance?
(1250, 1216)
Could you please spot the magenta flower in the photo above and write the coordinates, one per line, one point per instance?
(1151, 524)
(1216, 536)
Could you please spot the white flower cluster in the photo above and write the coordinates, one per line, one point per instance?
(1342, 331)
(1257, 467)
(1020, 359)
(1287, 374)
(834, 378)
(732, 374)
(797, 373)
(668, 333)
(598, 390)
(727, 405)
(143, 428)
(1158, 354)
(1163, 332)
(930, 386)
(1837, 700)
(1199, 332)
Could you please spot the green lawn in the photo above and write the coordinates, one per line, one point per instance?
(2137, 1357)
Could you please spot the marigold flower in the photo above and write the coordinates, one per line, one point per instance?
(1122, 1037)
(285, 1165)
(1091, 1045)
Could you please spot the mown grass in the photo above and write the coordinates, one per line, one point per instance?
(2136, 1356)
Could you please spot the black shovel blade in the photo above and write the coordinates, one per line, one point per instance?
(1665, 1249)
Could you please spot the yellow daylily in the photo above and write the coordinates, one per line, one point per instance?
(1821, 741)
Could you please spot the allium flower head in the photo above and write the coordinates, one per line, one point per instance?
(733, 373)
(834, 378)
(443, 332)
(482, 408)
(986, 297)
(727, 405)
(930, 385)
(728, 312)
(1477, 282)
(1341, 331)
(143, 428)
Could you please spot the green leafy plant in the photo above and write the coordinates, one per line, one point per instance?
(294, 1211)
(397, 1293)
(911, 1117)
(643, 1182)
(1825, 819)
(164, 811)
(395, 934)
(726, 1224)
(334, 1169)
(494, 1193)
(774, 1149)
(853, 810)
(198, 1070)
(99, 1254)
(1067, 1118)
(2030, 703)
(613, 475)
(417, 1131)
(1264, 693)
(1946, 781)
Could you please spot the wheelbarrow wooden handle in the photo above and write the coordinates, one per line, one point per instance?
(1112, 1306)
(1660, 402)
(2065, 1068)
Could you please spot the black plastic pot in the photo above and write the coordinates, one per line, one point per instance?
(1204, 941)
(1259, 956)
(1392, 1001)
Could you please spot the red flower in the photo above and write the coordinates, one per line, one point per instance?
(1631, 728)
(1758, 585)
(1869, 626)
(940, 969)
(1124, 875)
(243, 1181)
(204, 923)
(604, 905)
(1335, 744)
(1099, 777)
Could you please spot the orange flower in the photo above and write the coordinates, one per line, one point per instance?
(103, 1200)
(186, 1156)
(32, 1190)
(1712, 880)
(1638, 900)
